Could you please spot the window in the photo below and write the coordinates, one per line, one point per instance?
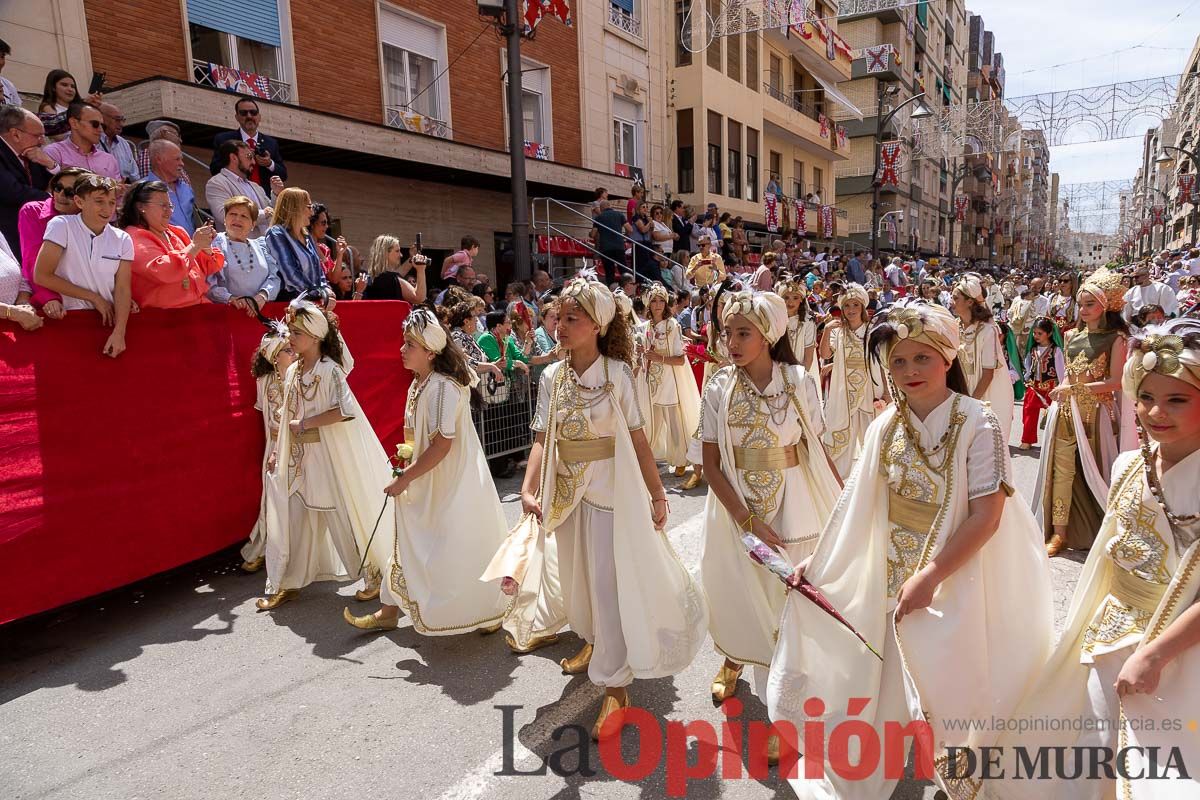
(818, 184)
(752, 165)
(753, 78)
(531, 111)
(734, 169)
(538, 124)
(798, 179)
(776, 166)
(733, 58)
(414, 55)
(683, 35)
(775, 75)
(627, 132)
(211, 46)
(714, 153)
(714, 47)
(626, 15)
(686, 159)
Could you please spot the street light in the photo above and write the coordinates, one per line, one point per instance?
(922, 111)
(1163, 160)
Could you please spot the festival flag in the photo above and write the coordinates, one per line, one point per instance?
(891, 230)
(537, 150)
(910, 24)
(830, 47)
(889, 157)
(828, 224)
(241, 81)
(842, 137)
(1187, 188)
(878, 58)
(1160, 215)
(960, 207)
(801, 217)
(821, 118)
(771, 212)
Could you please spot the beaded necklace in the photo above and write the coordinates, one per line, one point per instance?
(1176, 521)
(951, 430)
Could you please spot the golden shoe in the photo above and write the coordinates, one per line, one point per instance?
(578, 663)
(363, 595)
(276, 600)
(254, 564)
(609, 705)
(1056, 545)
(679, 471)
(490, 629)
(691, 483)
(536, 643)
(725, 685)
(370, 622)
(773, 750)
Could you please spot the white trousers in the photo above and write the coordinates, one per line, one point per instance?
(670, 442)
(321, 547)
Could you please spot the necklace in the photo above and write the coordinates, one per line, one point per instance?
(580, 396)
(235, 252)
(1175, 520)
(952, 428)
(777, 404)
(415, 391)
(308, 391)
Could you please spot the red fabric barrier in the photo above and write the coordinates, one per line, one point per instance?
(114, 470)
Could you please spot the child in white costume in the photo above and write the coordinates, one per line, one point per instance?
(1128, 661)
(448, 518)
(271, 361)
(768, 473)
(326, 477)
(932, 559)
(856, 388)
(592, 482)
(980, 352)
(802, 328)
(674, 399)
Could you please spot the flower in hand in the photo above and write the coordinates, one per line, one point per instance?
(404, 454)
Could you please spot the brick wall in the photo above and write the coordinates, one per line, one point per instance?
(337, 58)
(135, 39)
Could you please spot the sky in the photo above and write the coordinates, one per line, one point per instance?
(1045, 44)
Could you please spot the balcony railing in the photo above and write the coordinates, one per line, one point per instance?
(807, 109)
(242, 82)
(405, 119)
(622, 19)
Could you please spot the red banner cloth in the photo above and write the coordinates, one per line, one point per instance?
(112, 470)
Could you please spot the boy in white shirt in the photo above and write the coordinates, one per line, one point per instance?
(88, 261)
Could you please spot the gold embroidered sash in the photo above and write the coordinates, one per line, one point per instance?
(1137, 592)
(911, 514)
(768, 458)
(310, 436)
(576, 451)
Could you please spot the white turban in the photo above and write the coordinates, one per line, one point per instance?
(273, 341)
(309, 318)
(1160, 348)
(970, 286)
(593, 297)
(854, 291)
(766, 311)
(425, 329)
(624, 303)
(927, 323)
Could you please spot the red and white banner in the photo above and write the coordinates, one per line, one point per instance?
(771, 212)
(889, 157)
(960, 207)
(536, 9)
(842, 137)
(801, 218)
(828, 222)
(821, 118)
(1187, 188)
(1159, 215)
(240, 81)
(878, 58)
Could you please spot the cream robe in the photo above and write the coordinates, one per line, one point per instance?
(980, 349)
(599, 512)
(448, 522)
(1102, 632)
(269, 398)
(854, 385)
(802, 336)
(972, 653)
(744, 599)
(324, 497)
(674, 409)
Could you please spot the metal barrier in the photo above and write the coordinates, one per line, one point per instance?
(502, 419)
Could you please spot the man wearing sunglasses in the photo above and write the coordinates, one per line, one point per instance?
(82, 147)
(120, 148)
(268, 162)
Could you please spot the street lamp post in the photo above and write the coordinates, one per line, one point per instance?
(882, 123)
(1194, 157)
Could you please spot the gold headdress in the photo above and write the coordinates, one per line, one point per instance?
(927, 323)
(1105, 285)
(1161, 350)
(593, 297)
(766, 311)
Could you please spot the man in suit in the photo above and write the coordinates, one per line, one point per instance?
(267, 160)
(25, 169)
(234, 180)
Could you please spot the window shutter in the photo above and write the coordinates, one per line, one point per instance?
(410, 34)
(624, 5)
(256, 20)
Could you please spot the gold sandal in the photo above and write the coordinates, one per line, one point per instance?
(578, 663)
(607, 707)
(725, 685)
(370, 622)
(276, 600)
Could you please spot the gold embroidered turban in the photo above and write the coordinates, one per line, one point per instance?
(1161, 350)
(927, 323)
(593, 297)
(766, 311)
(854, 291)
(1105, 286)
(309, 318)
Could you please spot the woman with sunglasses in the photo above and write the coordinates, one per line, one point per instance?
(32, 220)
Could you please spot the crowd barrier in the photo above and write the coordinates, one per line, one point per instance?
(112, 470)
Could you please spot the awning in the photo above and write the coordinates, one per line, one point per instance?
(832, 91)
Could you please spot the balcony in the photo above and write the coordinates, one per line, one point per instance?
(894, 71)
(229, 79)
(622, 20)
(786, 115)
(811, 49)
(886, 11)
(406, 120)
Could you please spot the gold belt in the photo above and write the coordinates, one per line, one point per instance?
(910, 514)
(768, 458)
(410, 436)
(1134, 591)
(578, 451)
(310, 436)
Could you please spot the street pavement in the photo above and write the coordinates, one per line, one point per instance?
(178, 687)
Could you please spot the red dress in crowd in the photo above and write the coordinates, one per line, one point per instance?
(1041, 376)
(164, 275)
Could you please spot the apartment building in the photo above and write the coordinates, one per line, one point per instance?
(756, 108)
(1183, 218)
(391, 113)
(925, 54)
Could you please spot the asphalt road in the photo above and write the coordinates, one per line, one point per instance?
(177, 687)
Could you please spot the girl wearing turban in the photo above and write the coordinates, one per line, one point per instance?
(674, 398)
(271, 362)
(980, 351)
(592, 483)
(932, 559)
(1128, 657)
(856, 389)
(448, 518)
(327, 473)
(768, 473)
(1087, 422)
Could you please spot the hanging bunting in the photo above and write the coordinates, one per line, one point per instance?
(828, 224)
(534, 10)
(560, 9)
(821, 118)
(878, 58)
(842, 137)
(801, 217)
(910, 24)
(1160, 215)
(1187, 188)
(771, 212)
(889, 157)
(960, 207)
